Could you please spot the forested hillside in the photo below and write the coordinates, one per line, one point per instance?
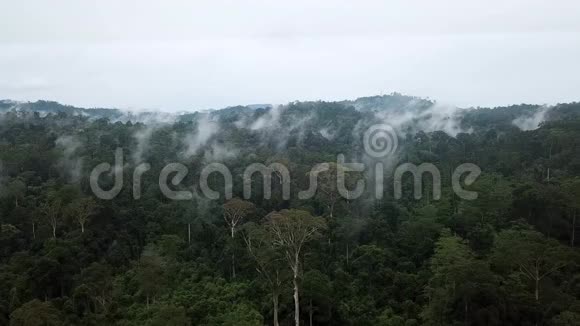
(508, 257)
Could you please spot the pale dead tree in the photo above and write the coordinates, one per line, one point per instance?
(572, 194)
(194, 212)
(268, 259)
(82, 210)
(290, 231)
(235, 211)
(189, 217)
(36, 217)
(52, 212)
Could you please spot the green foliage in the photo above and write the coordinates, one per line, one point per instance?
(36, 313)
(509, 257)
(239, 315)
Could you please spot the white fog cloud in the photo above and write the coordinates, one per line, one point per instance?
(532, 122)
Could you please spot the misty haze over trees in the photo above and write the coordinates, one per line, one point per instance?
(510, 257)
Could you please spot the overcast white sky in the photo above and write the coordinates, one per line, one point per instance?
(209, 54)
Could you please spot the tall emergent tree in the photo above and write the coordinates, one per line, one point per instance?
(268, 259)
(291, 230)
(532, 255)
(81, 210)
(235, 211)
(52, 212)
(572, 190)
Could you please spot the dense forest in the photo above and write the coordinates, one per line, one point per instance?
(508, 257)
